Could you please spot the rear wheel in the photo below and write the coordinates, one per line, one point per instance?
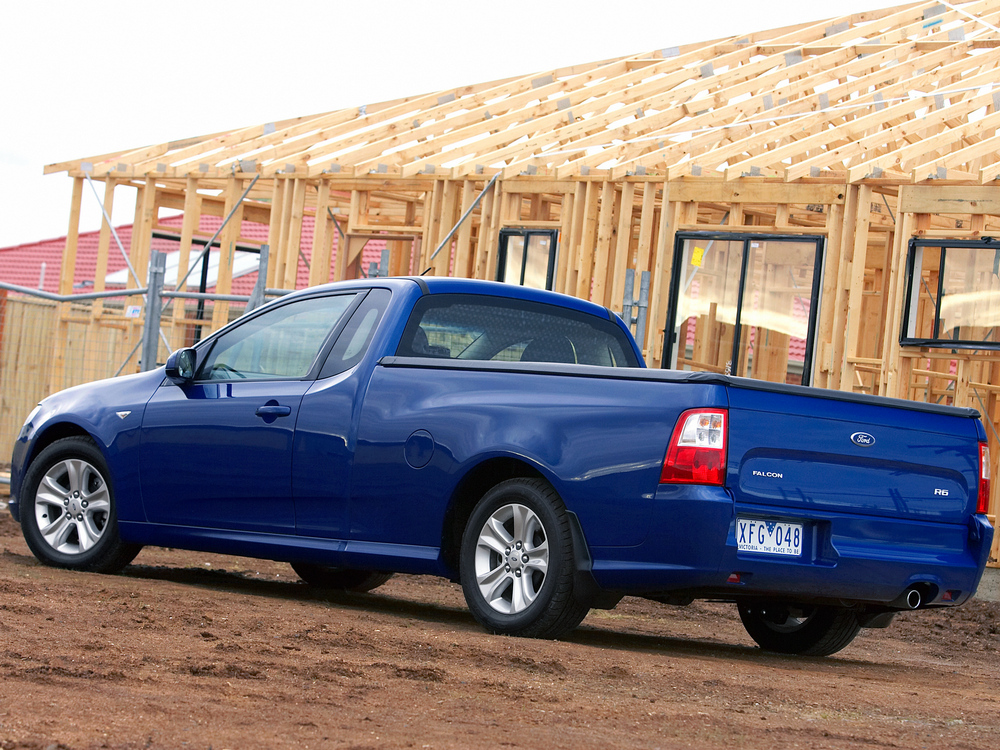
(345, 579)
(68, 514)
(517, 564)
(800, 629)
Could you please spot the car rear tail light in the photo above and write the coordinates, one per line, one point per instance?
(983, 499)
(697, 450)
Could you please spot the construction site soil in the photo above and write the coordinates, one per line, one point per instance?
(190, 650)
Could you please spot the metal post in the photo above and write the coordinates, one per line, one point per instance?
(629, 297)
(151, 325)
(257, 295)
(383, 268)
(638, 318)
(640, 326)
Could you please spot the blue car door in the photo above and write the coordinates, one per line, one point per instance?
(325, 433)
(217, 452)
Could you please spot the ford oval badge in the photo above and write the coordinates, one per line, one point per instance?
(863, 439)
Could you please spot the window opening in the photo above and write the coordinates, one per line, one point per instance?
(744, 305)
(527, 257)
(952, 294)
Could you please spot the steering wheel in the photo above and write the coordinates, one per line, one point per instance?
(226, 368)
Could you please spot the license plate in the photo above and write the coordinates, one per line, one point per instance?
(769, 537)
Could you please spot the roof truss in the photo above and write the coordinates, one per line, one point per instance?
(904, 94)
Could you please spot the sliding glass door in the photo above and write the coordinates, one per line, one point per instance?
(744, 305)
(527, 257)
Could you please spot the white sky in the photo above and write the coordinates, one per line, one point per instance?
(80, 79)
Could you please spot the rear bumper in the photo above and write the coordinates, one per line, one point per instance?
(691, 551)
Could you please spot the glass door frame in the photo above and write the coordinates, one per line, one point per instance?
(913, 274)
(506, 233)
(670, 331)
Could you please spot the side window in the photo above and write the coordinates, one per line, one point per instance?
(280, 343)
(457, 326)
(357, 335)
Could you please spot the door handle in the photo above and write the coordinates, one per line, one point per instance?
(270, 412)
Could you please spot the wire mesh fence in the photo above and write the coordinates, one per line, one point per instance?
(48, 343)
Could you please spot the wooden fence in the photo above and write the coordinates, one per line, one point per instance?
(26, 329)
(48, 346)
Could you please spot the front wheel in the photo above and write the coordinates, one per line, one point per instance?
(517, 564)
(68, 515)
(800, 629)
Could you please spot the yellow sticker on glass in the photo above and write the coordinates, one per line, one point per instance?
(697, 256)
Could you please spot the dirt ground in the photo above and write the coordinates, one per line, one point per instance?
(189, 650)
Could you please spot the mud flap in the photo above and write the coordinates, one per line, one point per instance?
(586, 591)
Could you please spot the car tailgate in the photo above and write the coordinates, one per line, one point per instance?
(795, 451)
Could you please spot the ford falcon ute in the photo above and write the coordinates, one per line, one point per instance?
(511, 440)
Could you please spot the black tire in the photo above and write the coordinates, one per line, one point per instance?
(805, 630)
(507, 591)
(71, 478)
(343, 579)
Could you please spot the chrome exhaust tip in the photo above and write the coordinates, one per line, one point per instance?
(913, 598)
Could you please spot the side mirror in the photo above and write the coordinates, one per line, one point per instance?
(180, 366)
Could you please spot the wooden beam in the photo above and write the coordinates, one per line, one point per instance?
(319, 268)
(355, 245)
(752, 229)
(191, 221)
(283, 257)
(527, 224)
(293, 238)
(60, 342)
(227, 250)
(759, 192)
(463, 240)
(570, 244)
(659, 283)
(646, 219)
(274, 233)
(937, 199)
(889, 380)
(856, 263)
(566, 211)
(588, 240)
(72, 239)
(489, 232)
(622, 248)
(142, 232)
(606, 232)
(829, 348)
(448, 215)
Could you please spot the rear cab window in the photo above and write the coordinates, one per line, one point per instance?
(477, 327)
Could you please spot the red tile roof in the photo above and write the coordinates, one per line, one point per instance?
(22, 264)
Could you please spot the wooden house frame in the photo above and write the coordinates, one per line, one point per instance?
(869, 132)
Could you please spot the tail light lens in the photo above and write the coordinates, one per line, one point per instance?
(983, 499)
(697, 450)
